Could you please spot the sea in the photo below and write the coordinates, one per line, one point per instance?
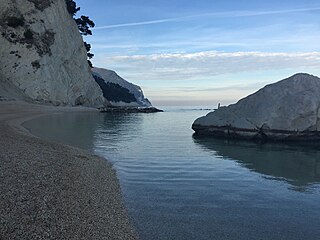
(179, 186)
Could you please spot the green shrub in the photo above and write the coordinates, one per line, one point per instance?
(36, 64)
(114, 92)
(15, 22)
(28, 34)
(41, 4)
(72, 7)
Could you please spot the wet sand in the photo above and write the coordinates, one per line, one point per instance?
(52, 191)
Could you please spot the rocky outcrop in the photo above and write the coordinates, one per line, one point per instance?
(130, 110)
(288, 110)
(43, 58)
(119, 92)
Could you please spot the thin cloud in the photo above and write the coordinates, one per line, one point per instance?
(215, 14)
(204, 65)
(138, 23)
(245, 87)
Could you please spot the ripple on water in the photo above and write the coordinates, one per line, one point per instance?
(179, 187)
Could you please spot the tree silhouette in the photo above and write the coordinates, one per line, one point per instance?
(89, 54)
(72, 7)
(114, 92)
(84, 24)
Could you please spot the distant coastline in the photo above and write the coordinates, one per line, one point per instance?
(130, 109)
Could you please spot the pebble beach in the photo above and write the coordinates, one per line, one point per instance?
(53, 191)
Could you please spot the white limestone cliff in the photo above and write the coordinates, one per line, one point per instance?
(43, 58)
(286, 110)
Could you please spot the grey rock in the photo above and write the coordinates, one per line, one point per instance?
(130, 110)
(43, 58)
(286, 110)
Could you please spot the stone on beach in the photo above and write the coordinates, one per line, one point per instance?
(53, 191)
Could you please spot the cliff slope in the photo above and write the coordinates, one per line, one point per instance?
(43, 58)
(119, 92)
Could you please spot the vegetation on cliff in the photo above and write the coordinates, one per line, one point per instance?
(114, 92)
(84, 24)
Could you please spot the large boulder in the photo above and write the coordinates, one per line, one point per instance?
(286, 110)
(43, 58)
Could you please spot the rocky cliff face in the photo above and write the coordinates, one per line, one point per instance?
(43, 58)
(287, 110)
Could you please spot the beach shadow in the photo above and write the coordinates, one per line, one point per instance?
(84, 129)
(74, 129)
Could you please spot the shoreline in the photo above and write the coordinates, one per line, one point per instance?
(53, 191)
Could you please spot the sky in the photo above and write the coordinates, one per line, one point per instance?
(204, 52)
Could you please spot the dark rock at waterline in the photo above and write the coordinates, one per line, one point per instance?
(130, 110)
(3, 99)
(230, 132)
(288, 110)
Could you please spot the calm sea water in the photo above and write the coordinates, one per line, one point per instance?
(176, 186)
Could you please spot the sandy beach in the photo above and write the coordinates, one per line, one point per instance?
(52, 191)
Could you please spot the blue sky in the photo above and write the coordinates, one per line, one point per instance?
(204, 52)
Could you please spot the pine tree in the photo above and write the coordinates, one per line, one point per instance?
(84, 24)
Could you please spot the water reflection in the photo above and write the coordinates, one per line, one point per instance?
(120, 123)
(84, 129)
(74, 129)
(297, 165)
(177, 187)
